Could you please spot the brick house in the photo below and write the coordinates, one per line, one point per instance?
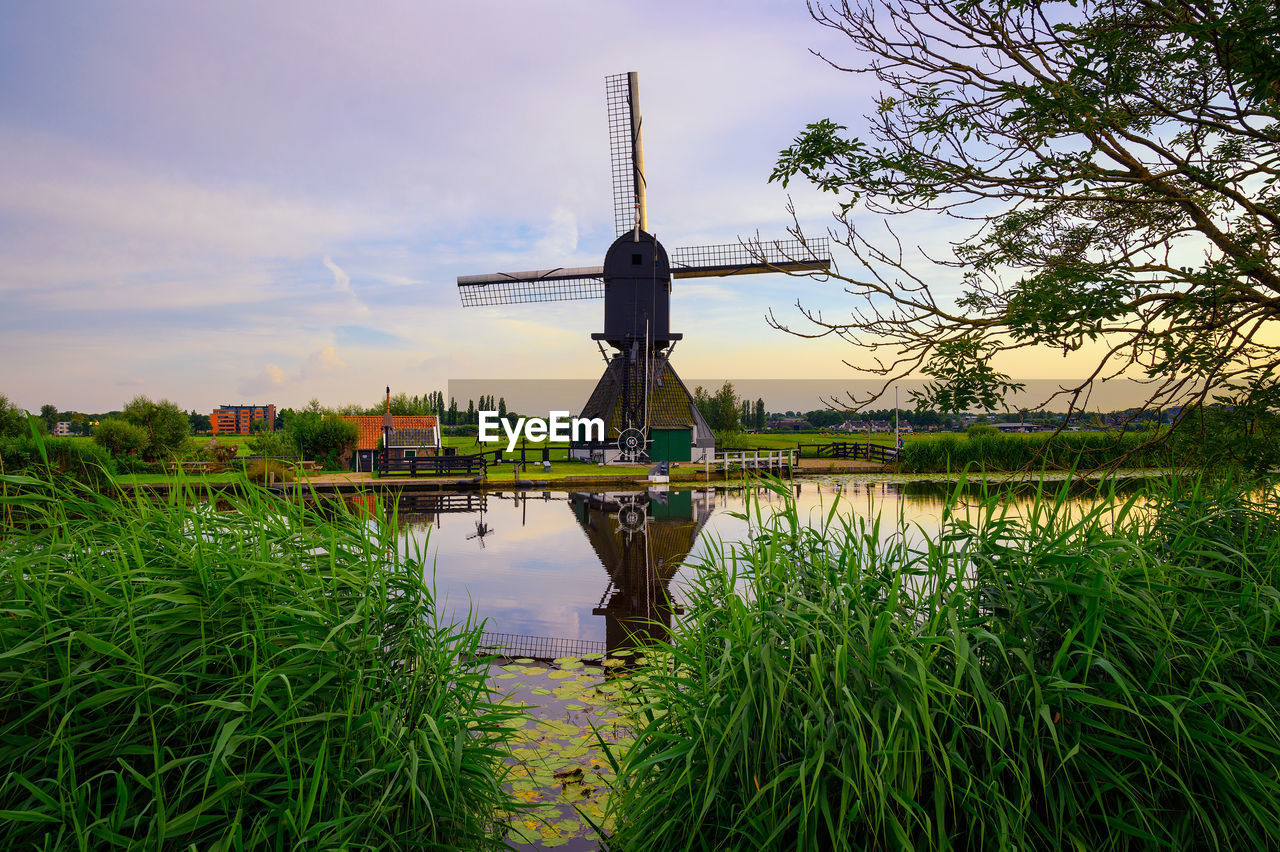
(402, 437)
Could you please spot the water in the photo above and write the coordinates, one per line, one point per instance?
(555, 573)
(560, 576)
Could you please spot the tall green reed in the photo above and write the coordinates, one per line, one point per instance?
(1105, 678)
(1066, 450)
(172, 676)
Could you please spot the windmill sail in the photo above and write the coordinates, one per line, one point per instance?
(539, 285)
(626, 152)
(587, 282)
(751, 258)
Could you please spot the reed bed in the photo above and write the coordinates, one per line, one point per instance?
(174, 677)
(1064, 451)
(1105, 679)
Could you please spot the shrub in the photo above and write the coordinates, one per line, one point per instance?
(174, 677)
(272, 444)
(72, 458)
(325, 437)
(269, 472)
(220, 454)
(120, 437)
(1109, 681)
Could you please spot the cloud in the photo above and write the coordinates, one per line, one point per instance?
(341, 280)
(270, 378)
(561, 237)
(719, 292)
(361, 335)
(319, 364)
(322, 363)
(71, 191)
(342, 284)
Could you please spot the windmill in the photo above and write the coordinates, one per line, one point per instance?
(648, 412)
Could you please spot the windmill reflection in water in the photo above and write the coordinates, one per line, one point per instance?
(640, 539)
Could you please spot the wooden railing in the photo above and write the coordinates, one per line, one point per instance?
(525, 455)
(849, 450)
(433, 465)
(752, 459)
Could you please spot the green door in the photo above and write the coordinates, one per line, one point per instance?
(671, 445)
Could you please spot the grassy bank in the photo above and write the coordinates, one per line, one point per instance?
(1110, 681)
(263, 678)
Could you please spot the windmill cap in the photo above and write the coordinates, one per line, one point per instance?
(629, 257)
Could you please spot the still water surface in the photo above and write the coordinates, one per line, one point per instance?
(576, 566)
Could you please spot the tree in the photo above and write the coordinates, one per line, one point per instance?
(13, 420)
(825, 418)
(759, 418)
(720, 410)
(1117, 163)
(323, 436)
(165, 425)
(120, 437)
(49, 414)
(202, 422)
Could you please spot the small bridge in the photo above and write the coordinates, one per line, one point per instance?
(849, 450)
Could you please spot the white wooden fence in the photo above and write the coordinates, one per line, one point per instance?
(727, 460)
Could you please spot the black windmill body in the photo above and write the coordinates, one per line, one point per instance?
(648, 412)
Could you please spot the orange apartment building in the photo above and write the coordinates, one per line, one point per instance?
(239, 419)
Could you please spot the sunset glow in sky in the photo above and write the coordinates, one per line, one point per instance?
(267, 202)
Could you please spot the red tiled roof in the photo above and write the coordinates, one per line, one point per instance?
(371, 427)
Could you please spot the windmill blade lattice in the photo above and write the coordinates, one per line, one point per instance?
(751, 258)
(540, 285)
(628, 181)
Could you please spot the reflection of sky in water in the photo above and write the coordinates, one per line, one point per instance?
(537, 573)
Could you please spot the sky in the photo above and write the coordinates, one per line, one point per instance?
(246, 202)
